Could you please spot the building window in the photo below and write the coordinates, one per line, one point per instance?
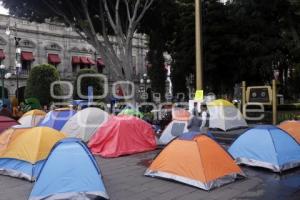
(26, 61)
(74, 68)
(54, 59)
(100, 65)
(26, 65)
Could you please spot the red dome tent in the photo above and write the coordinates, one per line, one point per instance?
(6, 122)
(122, 135)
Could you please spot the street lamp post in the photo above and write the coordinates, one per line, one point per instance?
(18, 53)
(2, 68)
(144, 82)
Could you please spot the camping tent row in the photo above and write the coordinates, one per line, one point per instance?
(111, 136)
(268, 147)
(82, 124)
(42, 154)
(223, 115)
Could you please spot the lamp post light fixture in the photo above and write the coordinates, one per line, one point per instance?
(144, 82)
(18, 53)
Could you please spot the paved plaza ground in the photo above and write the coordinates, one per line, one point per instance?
(124, 180)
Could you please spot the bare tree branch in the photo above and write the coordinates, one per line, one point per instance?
(127, 10)
(111, 21)
(145, 8)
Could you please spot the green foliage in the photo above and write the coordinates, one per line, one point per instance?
(159, 25)
(95, 82)
(39, 82)
(156, 71)
(294, 82)
(287, 116)
(243, 40)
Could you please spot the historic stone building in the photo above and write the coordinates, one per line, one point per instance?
(55, 44)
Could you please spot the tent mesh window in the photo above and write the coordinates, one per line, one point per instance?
(177, 129)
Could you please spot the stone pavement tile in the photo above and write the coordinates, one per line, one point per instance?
(246, 184)
(20, 192)
(162, 186)
(121, 194)
(143, 195)
(225, 193)
(196, 195)
(175, 192)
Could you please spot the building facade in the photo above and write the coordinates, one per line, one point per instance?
(55, 44)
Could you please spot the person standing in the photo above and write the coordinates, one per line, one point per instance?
(195, 111)
(194, 124)
(204, 118)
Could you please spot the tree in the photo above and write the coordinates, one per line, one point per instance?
(242, 40)
(92, 19)
(183, 46)
(94, 82)
(39, 82)
(158, 23)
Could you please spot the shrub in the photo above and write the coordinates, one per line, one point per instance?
(39, 82)
(95, 82)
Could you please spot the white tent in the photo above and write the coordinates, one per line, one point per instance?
(32, 118)
(85, 123)
(174, 129)
(225, 116)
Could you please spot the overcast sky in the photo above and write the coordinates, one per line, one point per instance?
(3, 10)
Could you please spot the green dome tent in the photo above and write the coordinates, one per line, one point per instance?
(131, 112)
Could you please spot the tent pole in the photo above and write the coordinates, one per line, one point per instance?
(244, 98)
(274, 101)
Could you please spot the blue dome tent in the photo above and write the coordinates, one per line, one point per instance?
(70, 172)
(268, 147)
(56, 119)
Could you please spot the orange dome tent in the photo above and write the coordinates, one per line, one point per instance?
(180, 114)
(195, 160)
(292, 128)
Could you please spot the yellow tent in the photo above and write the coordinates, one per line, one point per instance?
(32, 145)
(6, 136)
(225, 116)
(24, 151)
(32, 118)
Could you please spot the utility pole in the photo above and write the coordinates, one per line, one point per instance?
(199, 50)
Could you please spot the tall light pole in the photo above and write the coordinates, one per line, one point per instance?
(18, 53)
(199, 50)
(2, 69)
(145, 81)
